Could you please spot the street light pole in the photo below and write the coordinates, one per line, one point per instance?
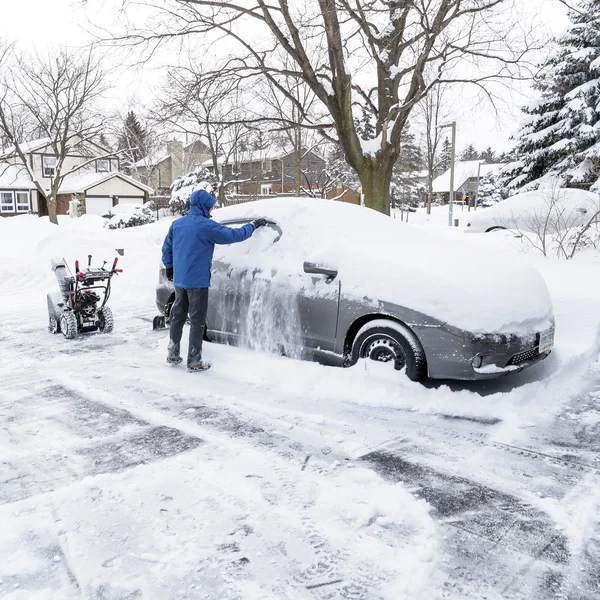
(452, 155)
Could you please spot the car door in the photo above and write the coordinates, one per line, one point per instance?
(318, 305)
(229, 291)
(262, 298)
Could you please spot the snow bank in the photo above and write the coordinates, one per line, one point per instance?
(379, 259)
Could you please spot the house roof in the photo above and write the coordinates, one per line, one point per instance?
(80, 182)
(15, 177)
(26, 147)
(463, 171)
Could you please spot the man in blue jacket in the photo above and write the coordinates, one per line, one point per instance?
(187, 254)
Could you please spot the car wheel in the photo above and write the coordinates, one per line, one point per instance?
(496, 228)
(387, 341)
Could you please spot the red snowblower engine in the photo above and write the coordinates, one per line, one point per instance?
(80, 307)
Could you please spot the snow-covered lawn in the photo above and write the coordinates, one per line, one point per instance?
(267, 477)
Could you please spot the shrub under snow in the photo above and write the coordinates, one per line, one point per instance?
(182, 188)
(128, 215)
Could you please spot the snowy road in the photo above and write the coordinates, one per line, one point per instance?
(122, 478)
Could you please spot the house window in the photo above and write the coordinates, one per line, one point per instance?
(103, 165)
(266, 189)
(22, 201)
(267, 165)
(49, 165)
(7, 202)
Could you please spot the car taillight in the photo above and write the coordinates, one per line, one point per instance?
(468, 224)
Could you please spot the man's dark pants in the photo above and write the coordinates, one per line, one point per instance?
(195, 302)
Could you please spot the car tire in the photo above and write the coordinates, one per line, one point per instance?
(385, 340)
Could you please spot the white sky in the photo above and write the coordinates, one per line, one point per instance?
(39, 24)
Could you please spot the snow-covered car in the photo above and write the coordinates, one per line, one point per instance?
(334, 282)
(544, 209)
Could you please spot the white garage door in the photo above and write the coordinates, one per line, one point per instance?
(98, 206)
(136, 200)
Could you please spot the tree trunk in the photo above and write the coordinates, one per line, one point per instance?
(375, 179)
(429, 192)
(298, 161)
(51, 204)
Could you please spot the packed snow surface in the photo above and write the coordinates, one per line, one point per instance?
(268, 477)
(380, 261)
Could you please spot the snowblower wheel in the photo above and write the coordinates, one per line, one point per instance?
(53, 325)
(68, 324)
(106, 320)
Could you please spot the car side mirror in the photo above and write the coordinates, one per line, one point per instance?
(317, 269)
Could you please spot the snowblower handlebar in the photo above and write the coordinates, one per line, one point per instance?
(96, 274)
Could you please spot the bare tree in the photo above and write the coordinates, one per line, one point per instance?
(289, 117)
(206, 106)
(52, 98)
(376, 55)
(432, 111)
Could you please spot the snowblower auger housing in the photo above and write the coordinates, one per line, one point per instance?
(80, 305)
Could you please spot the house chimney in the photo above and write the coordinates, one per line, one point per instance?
(175, 150)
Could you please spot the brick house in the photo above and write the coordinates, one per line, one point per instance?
(272, 172)
(98, 182)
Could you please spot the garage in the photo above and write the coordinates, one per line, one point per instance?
(98, 206)
(130, 200)
(102, 191)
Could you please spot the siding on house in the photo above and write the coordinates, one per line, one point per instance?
(270, 175)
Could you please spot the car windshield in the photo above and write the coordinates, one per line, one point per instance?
(272, 225)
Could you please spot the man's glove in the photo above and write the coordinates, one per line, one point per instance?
(259, 223)
(170, 273)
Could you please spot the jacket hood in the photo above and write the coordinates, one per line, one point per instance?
(201, 202)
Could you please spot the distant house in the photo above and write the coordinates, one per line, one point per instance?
(99, 183)
(273, 172)
(467, 174)
(162, 168)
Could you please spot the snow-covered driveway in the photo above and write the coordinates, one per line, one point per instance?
(122, 478)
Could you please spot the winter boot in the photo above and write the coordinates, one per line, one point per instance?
(174, 360)
(201, 366)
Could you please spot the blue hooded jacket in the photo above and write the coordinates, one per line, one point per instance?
(190, 243)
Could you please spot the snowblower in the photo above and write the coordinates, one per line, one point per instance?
(80, 307)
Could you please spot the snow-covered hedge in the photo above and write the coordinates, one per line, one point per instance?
(182, 188)
(128, 215)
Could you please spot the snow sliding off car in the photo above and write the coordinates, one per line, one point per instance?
(334, 282)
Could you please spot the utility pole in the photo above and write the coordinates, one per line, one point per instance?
(452, 155)
(477, 192)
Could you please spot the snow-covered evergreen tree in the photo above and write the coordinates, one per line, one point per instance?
(561, 138)
(469, 153)
(182, 188)
(488, 155)
(405, 187)
(492, 189)
(132, 142)
(445, 155)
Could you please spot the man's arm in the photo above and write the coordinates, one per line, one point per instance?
(167, 249)
(221, 234)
